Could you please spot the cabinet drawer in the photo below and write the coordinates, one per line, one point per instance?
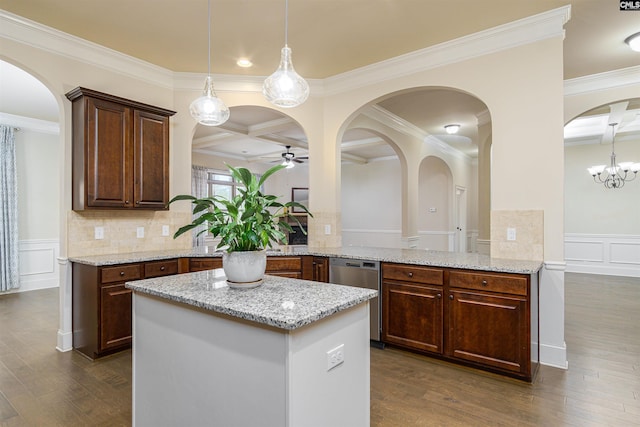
(284, 263)
(121, 273)
(507, 284)
(413, 273)
(199, 264)
(160, 268)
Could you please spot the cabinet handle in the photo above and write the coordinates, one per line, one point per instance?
(484, 283)
(122, 273)
(450, 297)
(162, 268)
(137, 202)
(410, 274)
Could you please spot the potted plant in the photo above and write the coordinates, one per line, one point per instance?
(247, 225)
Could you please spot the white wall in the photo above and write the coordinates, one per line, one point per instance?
(38, 178)
(435, 204)
(602, 225)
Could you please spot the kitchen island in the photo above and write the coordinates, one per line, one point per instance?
(288, 353)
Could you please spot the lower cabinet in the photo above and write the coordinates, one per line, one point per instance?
(476, 318)
(297, 267)
(320, 269)
(102, 304)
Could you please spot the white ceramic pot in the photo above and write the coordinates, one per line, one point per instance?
(244, 269)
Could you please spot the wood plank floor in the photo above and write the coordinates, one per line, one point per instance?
(40, 386)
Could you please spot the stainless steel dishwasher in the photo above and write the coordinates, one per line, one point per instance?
(361, 274)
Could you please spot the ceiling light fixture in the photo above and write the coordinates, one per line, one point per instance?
(244, 63)
(285, 88)
(208, 109)
(451, 129)
(616, 174)
(633, 41)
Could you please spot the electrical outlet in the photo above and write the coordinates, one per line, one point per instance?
(511, 234)
(335, 357)
(140, 232)
(327, 229)
(98, 233)
(165, 230)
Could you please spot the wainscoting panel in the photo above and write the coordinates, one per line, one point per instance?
(37, 264)
(612, 254)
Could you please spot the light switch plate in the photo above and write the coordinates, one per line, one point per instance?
(98, 233)
(140, 232)
(511, 234)
(165, 230)
(327, 229)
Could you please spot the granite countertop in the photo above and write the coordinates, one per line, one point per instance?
(279, 302)
(470, 261)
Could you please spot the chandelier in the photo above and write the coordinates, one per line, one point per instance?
(616, 174)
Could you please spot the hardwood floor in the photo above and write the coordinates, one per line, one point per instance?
(40, 386)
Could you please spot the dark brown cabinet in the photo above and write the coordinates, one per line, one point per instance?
(120, 152)
(487, 320)
(102, 304)
(320, 269)
(412, 307)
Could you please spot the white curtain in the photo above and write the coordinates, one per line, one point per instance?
(199, 176)
(9, 277)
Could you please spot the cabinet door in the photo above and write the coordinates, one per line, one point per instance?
(489, 329)
(321, 269)
(108, 154)
(115, 316)
(200, 264)
(412, 316)
(151, 160)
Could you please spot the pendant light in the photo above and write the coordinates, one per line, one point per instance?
(209, 110)
(285, 88)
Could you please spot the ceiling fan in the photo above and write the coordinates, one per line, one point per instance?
(288, 158)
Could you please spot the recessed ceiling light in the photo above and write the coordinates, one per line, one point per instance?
(451, 129)
(633, 41)
(244, 63)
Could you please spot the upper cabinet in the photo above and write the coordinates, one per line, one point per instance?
(120, 152)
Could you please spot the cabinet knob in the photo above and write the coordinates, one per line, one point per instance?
(162, 268)
(484, 283)
(439, 296)
(126, 202)
(122, 273)
(450, 297)
(137, 202)
(410, 274)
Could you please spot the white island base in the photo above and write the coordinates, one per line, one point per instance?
(195, 367)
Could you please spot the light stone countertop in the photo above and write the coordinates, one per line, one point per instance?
(279, 302)
(470, 261)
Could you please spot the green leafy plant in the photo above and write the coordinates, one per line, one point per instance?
(250, 221)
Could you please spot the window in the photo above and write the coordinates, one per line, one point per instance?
(221, 184)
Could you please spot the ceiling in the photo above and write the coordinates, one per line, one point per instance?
(324, 35)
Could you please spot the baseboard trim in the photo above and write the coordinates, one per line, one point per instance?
(554, 356)
(65, 341)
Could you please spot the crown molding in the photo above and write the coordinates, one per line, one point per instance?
(28, 123)
(507, 36)
(602, 81)
(398, 124)
(25, 31)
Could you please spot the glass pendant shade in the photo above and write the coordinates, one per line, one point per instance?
(285, 88)
(209, 110)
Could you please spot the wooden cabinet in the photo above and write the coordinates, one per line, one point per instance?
(102, 304)
(294, 266)
(487, 320)
(412, 307)
(120, 152)
(200, 264)
(320, 269)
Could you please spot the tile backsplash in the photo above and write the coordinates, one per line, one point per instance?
(526, 230)
(120, 231)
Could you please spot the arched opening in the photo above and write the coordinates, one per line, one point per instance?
(414, 122)
(601, 224)
(256, 138)
(31, 109)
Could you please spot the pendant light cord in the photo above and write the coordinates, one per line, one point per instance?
(209, 38)
(286, 22)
